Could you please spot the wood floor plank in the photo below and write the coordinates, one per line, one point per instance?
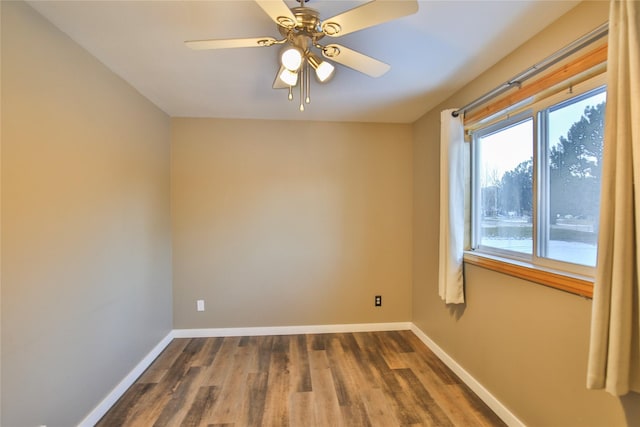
(401, 341)
(432, 361)
(318, 341)
(348, 379)
(482, 413)
(208, 352)
(264, 353)
(176, 408)
(276, 411)
(374, 362)
(302, 409)
(443, 393)
(327, 409)
(204, 400)
(185, 392)
(358, 362)
(379, 409)
(119, 414)
(227, 408)
(348, 372)
(300, 373)
(382, 371)
(217, 372)
(389, 350)
(151, 404)
(254, 400)
(341, 379)
(421, 401)
(163, 362)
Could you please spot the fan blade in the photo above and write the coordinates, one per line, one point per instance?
(355, 60)
(368, 15)
(278, 11)
(229, 43)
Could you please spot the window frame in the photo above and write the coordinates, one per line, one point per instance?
(563, 275)
(510, 121)
(589, 88)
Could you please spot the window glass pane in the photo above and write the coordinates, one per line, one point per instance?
(574, 160)
(505, 174)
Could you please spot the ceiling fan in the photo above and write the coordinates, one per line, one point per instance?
(302, 29)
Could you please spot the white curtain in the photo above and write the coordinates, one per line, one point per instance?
(450, 279)
(614, 354)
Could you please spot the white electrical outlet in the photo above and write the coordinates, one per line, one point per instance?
(200, 305)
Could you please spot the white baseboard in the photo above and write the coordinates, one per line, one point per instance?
(290, 330)
(98, 412)
(502, 411)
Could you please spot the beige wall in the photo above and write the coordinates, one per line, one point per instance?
(526, 343)
(86, 248)
(290, 223)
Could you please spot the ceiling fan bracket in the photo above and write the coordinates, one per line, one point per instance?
(266, 42)
(331, 28)
(285, 22)
(331, 51)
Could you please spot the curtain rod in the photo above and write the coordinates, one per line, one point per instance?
(558, 56)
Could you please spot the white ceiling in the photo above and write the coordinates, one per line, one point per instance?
(432, 54)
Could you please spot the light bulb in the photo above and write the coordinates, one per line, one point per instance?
(291, 58)
(289, 77)
(324, 71)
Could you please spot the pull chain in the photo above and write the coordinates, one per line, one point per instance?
(302, 77)
(307, 82)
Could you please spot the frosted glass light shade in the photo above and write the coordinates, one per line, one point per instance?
(291, 58)
(289, 77)
(324, 69)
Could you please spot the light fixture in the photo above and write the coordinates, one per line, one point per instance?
(289, 77)
(324, 69)
(291, 58)
(295, 71)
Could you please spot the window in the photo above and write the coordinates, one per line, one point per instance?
(504, 161)
(571, 163)
(536, 182)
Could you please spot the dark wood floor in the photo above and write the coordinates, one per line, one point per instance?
(347, 379)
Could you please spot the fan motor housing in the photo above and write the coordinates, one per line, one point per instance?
(307, 24)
